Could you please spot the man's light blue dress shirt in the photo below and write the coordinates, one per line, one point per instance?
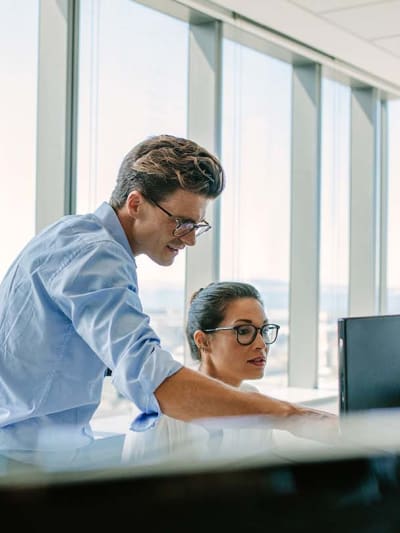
(70, 308)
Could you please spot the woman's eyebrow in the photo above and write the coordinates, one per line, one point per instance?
(266, 321)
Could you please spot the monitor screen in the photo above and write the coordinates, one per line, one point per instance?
(369, 362)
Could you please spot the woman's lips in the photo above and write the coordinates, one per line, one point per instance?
(258, 361)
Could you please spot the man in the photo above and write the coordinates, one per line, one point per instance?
(70, 308)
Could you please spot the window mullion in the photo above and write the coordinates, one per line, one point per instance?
(204, 128)
(305, 224)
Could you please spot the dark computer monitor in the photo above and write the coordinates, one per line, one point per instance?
(369, 362)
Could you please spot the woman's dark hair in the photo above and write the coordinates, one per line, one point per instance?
(160, 165)
(208, 306)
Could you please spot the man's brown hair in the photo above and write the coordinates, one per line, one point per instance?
(160, 165)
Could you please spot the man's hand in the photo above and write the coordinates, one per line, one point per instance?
(311, 424)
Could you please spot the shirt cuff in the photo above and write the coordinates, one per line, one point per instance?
(145, 421)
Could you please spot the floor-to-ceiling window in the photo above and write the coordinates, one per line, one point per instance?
(134, 74)
(18, 103)
(132, 84)
(334, 230)
(393, 223)
(255, 208)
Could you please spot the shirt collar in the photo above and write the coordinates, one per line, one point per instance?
(111, 222)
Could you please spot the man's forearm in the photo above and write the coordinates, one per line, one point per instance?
(189, 395)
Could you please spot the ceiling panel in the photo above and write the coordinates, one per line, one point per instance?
(392, 44)
(321, 6)
(369, 21)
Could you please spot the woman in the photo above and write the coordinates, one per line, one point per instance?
(229, 333)
(229, 336)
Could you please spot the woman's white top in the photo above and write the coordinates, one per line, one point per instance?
(220, 437)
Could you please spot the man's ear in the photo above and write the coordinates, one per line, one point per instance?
(134, 203)
(201, 339)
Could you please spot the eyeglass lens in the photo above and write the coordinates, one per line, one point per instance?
(184, 228)
(247, 333)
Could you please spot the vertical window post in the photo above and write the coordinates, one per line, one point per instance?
(305, 224)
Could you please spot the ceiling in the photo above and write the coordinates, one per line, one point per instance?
(374, 21)
(360, 35)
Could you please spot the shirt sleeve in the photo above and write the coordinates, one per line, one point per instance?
(97, 290)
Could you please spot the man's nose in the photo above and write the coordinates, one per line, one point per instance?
(189, 239)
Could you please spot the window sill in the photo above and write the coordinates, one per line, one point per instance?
(318, 398)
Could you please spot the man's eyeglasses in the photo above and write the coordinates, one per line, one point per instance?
(184, 227)
(246, 333)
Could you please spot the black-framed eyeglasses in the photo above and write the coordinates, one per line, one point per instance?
(184, 227)
(246, 333)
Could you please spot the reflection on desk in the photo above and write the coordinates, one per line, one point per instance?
(352, 484)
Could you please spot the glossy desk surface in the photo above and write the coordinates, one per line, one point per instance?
(300, 484)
